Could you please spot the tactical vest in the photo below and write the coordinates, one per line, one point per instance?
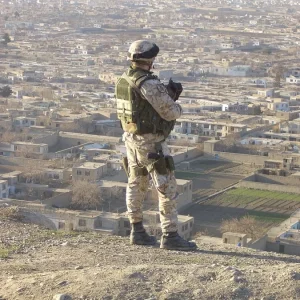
(136, 114)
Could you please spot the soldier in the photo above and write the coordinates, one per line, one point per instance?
(148, 113)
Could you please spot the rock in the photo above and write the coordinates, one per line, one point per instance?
(237, 273)
(253, 271)
(137, 275)
(78, 267)
(237, 290)
(20, 290)
(197, 292)
(62, 283)
(62, 297)
(65, 244)
(295, 275)
(212, 275)
(237, 279)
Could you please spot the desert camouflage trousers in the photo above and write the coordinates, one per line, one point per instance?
(137, 187)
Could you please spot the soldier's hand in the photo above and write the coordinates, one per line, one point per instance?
(174, 89)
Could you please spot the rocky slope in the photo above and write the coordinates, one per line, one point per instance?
(40, 264)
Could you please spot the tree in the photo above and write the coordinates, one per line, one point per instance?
(277, 72)
(247, 225)
(32, 172)
(86, 195)
(6, 39)
(7, 135)
(5, 91)
(75, 107)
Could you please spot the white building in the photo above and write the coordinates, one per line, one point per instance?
(24, 122)
(227, 45)
(265, 93)
(278, 106)
(293, 79)
(207, 128)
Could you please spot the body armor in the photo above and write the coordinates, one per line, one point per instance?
(136, 114)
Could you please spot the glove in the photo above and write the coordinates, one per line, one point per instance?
(174, 89)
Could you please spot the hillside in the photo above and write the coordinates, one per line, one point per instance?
(39, 264)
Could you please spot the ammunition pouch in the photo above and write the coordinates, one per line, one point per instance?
(160, 166)
(170, 163)
(163, 164)
(137, 171)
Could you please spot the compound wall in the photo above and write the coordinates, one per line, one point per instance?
(269, 187)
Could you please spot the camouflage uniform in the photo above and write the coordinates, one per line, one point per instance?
(137, 148)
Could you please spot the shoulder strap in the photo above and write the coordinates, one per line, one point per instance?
(140, 80)
(132, 84)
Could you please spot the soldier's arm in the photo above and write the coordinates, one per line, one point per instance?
(156, 94)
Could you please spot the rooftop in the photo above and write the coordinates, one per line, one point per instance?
(90, 165)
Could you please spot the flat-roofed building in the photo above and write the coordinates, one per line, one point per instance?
(207, 127)
(89, 171)
(27, 149)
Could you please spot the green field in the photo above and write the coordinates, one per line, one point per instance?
(265, 205)
(268, 217)
(249, 194)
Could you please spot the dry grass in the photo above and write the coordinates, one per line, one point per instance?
(10, 212)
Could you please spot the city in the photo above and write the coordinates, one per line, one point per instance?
(235, 146)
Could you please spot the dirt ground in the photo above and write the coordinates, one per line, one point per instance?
(38, 264)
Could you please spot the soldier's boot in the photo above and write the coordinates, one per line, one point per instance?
(139, 236)
(173, 241)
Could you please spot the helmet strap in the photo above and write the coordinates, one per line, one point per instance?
(142, 64)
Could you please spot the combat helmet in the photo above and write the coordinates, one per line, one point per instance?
(142, 51)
